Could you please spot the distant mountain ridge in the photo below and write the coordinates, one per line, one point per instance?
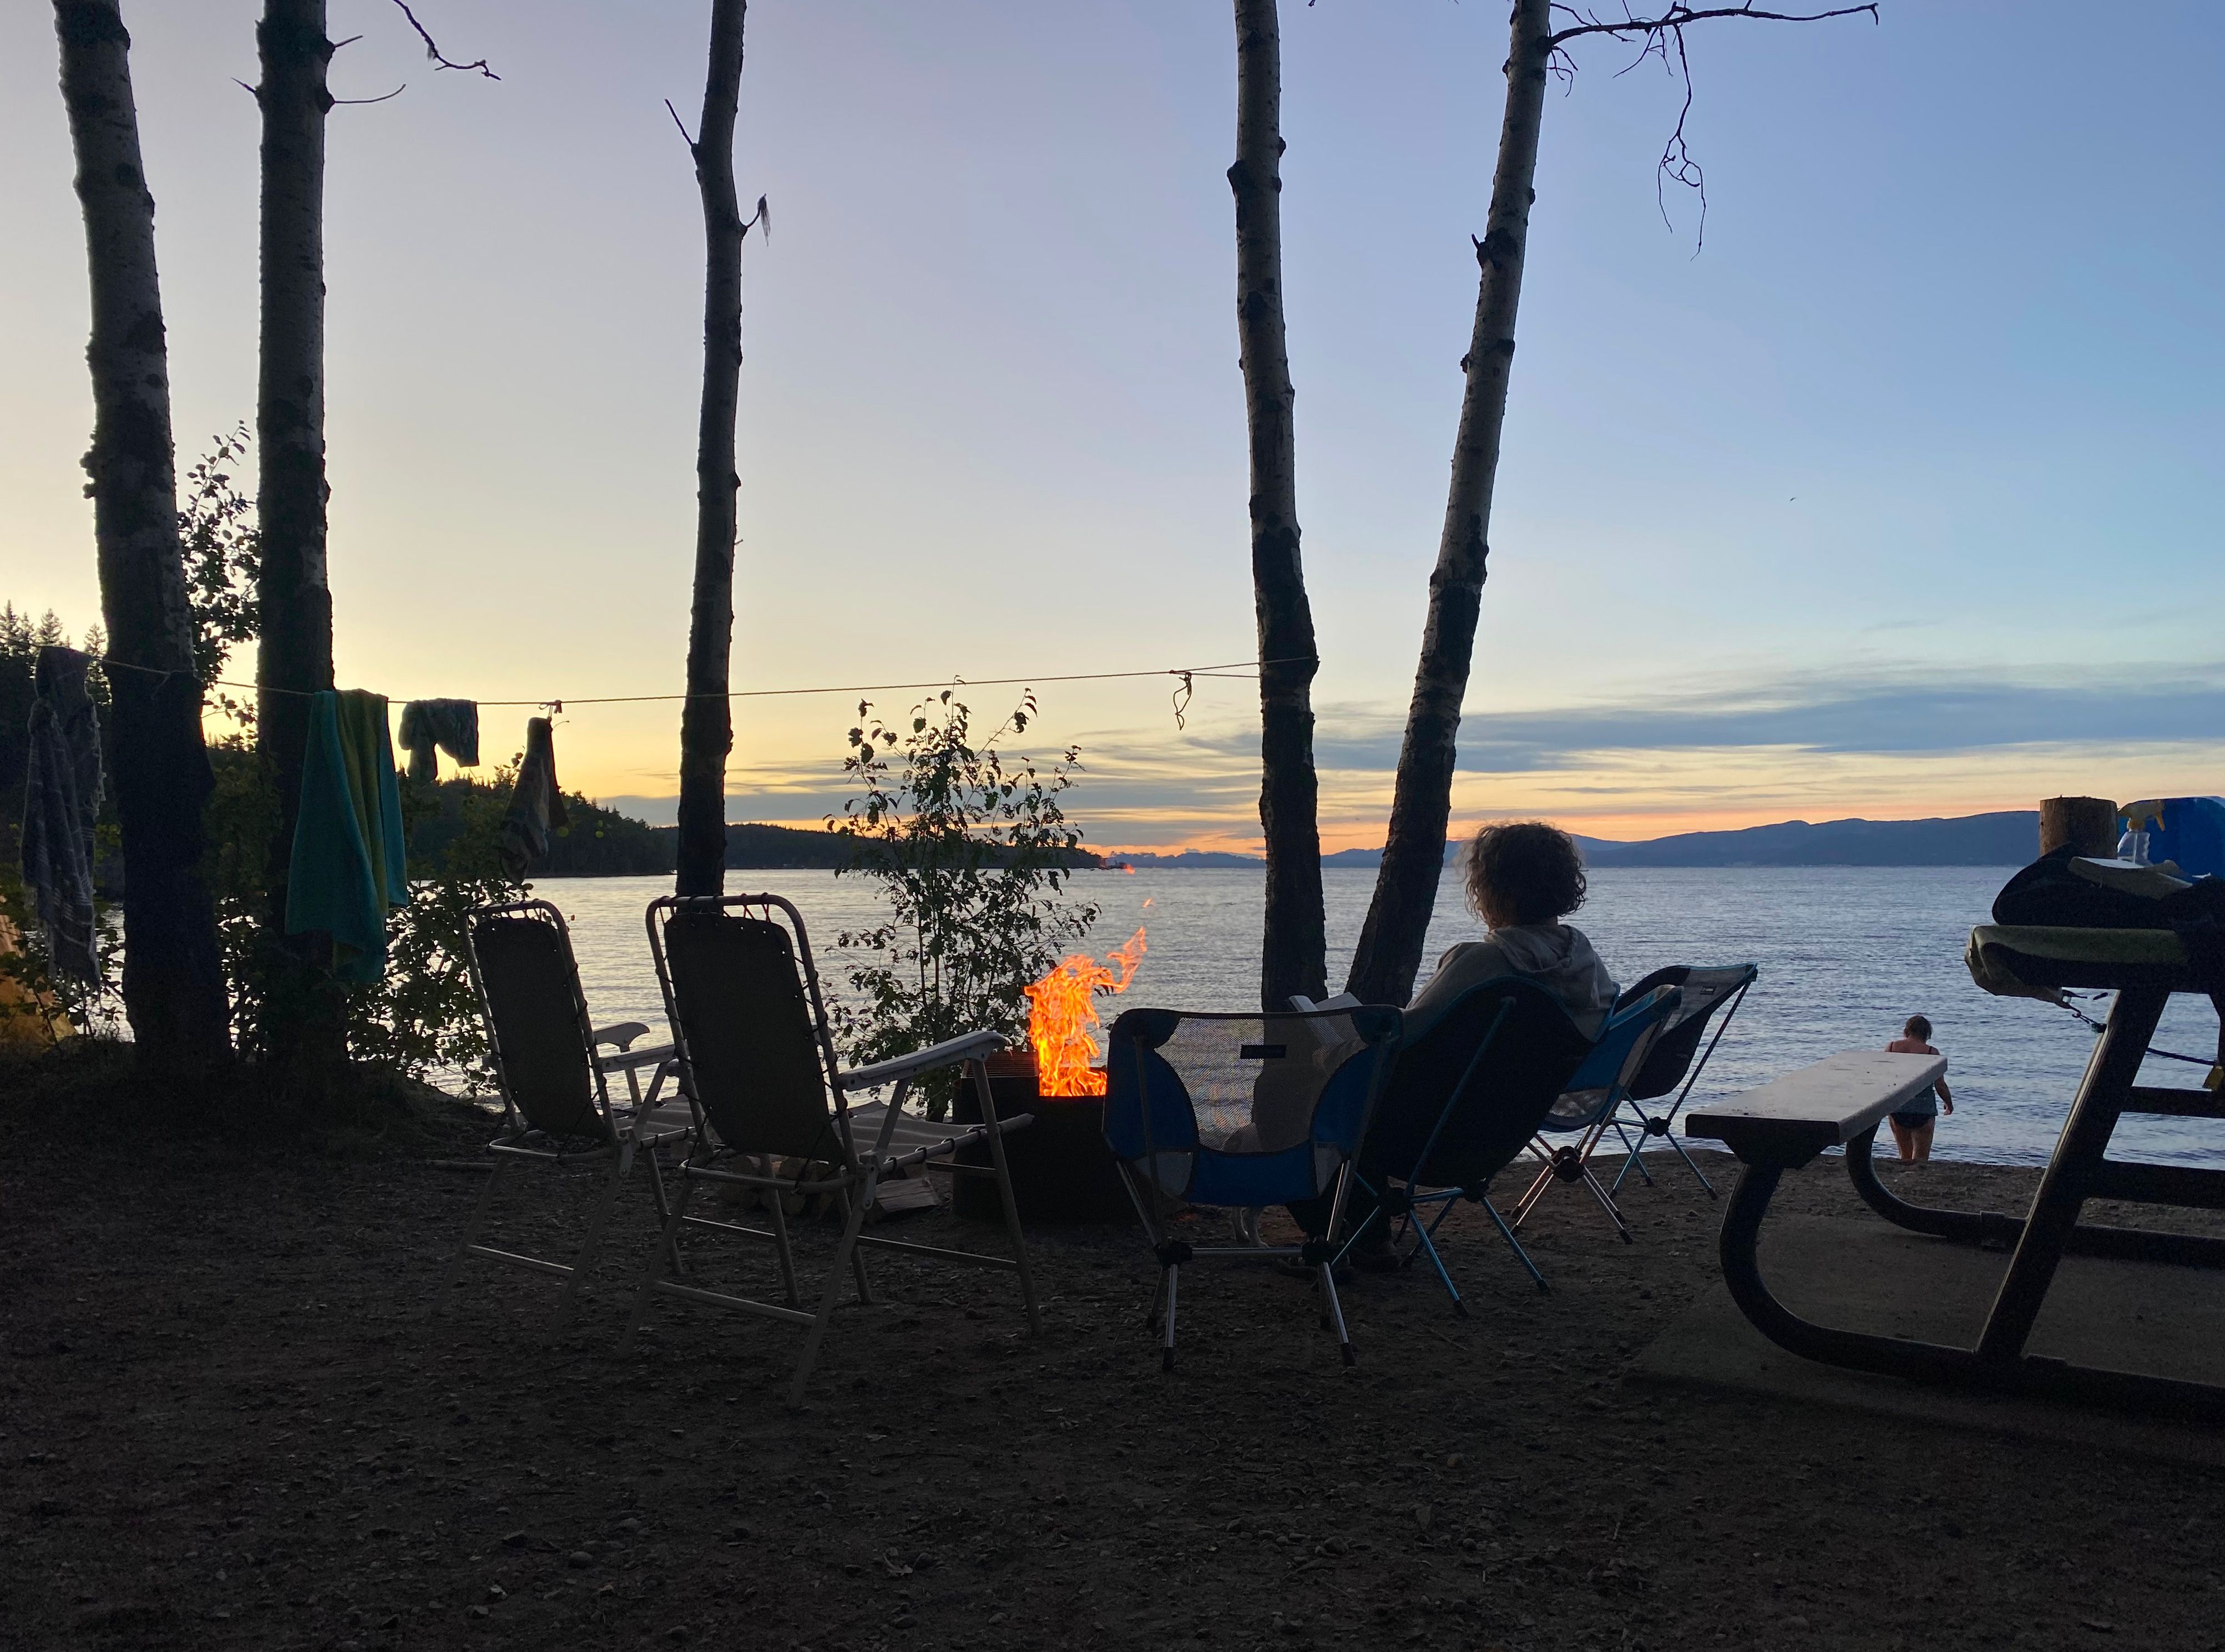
(2008, 838)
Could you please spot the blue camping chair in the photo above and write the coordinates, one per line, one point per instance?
(1462, 1101)
(1241, 1110)
(1588, 1107)
(1670, 1063)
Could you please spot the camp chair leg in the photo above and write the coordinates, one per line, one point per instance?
(780, 1242)
(1614, 1212)
(1424, 1243)
(1634, 1153)
(1335, 1317)
(979, 1073)
(663, 1203)
(1167, 1356)
(1513, 1243)
(858, 1254)
(593, 1243)
(854, 1220)
(1702, 1175)
(1377, 1214)
(1630, 1162)
(1536, 1190)
(455, 1269)
(666, 1243)
(1152, 1318)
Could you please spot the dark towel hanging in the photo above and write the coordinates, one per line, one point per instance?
(453, 725)
(61, 799)
(537, 804)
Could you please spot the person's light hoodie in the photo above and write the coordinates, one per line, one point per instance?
(1558, 958)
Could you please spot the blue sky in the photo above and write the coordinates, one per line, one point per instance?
(1900, 497)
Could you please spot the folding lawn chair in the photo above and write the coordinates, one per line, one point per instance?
(1462, 1101)
(1589, 1105)
(550, 1064)
(1701, 993)
(756, 1064)
(1241, 1110)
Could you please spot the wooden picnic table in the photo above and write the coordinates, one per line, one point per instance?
(1840, 1101)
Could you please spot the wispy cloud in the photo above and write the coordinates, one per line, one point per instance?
(1883, 711)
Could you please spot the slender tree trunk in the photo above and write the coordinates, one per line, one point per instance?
(174, 990)
(301, 1020)
(1390, 953)
(707, 722)
(1293, 956)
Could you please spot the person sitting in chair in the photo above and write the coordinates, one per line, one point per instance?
(1522, 878)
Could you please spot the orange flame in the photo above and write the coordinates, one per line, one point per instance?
(1062, 1018)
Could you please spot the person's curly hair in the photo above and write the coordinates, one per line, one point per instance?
(1528, 871)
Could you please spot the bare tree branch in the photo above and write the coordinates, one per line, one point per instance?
(681, 125)
(1656, 35)
(340, 103)
(433, 51)
(1677, 16)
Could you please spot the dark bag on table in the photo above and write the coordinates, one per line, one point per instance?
(2063, 889)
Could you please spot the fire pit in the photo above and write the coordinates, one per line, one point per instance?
(1061, 1169)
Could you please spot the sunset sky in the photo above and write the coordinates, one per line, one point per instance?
(1899, 495)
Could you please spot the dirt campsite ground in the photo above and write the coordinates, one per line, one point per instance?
(224, 1422)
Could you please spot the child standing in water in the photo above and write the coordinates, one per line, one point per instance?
(1914, 1125)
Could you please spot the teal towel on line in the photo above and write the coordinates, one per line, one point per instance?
(347, 866)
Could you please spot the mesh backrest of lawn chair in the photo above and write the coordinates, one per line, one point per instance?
(1701, 993)
(749, 1033)
(1240, 1109)
(1624, 1044)
(1504, 1050)
(530, 986)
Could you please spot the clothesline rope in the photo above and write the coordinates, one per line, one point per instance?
(1232, 670)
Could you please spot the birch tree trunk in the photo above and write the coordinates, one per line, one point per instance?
(707, 722)
(173, 991)
(1390, 942)
(301, 1021)
(1293, 950)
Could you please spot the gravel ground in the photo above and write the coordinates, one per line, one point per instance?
(225, 1423)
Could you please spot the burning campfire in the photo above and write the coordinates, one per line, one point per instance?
(1062, 1018)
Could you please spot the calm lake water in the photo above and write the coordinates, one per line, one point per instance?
(1846, 955)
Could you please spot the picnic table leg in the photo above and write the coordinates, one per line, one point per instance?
(1992, 1230)
(1856, 1349)
(2111, 1072)
(1966, 1227)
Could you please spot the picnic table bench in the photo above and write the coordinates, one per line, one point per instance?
(1841, 1100)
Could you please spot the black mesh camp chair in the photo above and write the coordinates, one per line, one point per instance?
(1670, 1063)
(553, 1065)
(773, 1110)
(1461, 1103)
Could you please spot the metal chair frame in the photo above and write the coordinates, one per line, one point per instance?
(624, 1130)
(1663, 1125)
(1624, 1043)
(865, 1145)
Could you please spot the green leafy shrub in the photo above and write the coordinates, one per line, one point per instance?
(973, 851)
